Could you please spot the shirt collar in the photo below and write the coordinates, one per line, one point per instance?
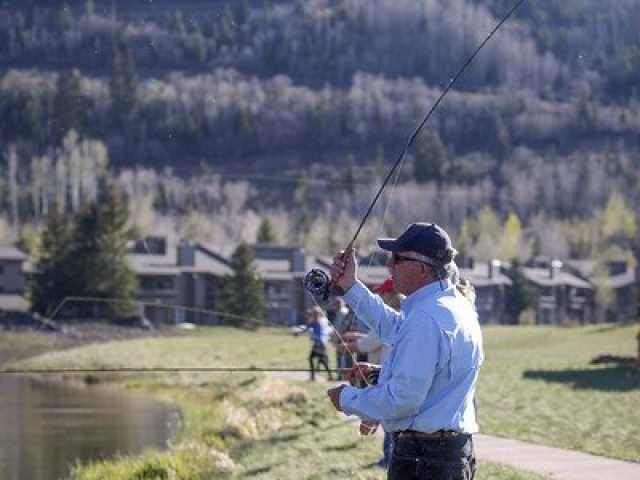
(426, 293)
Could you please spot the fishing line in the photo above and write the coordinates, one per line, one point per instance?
(49, 324)
(317, 281)
(157, 369)
(213, 313)
(340, 341)
(25, 371)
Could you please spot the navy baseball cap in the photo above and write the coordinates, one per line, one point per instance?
(427, 239)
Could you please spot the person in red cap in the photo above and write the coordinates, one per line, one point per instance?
(384, 287)
(424, 394)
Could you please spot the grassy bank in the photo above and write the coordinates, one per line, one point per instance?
(537, 385)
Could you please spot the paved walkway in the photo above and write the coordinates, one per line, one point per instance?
(553, 462)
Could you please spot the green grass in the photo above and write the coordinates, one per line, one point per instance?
(536, 385)
(15, 346)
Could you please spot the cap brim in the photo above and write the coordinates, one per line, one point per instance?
(388, 244)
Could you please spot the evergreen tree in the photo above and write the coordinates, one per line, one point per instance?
(65, 19)
(266, 232)
(123, 83)
(88, 260)
(100, 239)
(520, 296)
(303, 221)
(197, 45)
(430, 158)
(68, 104)
(503, 142)
(226, 26)
(347, 179)
(54, 278)
(244, 291)
(241, 11)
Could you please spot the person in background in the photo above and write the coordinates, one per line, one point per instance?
(319, 332)
(376, 351)
(425, 391)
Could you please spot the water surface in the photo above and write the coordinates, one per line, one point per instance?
(46, 426)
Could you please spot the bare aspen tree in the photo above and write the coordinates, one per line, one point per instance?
(39, 180)
(93, 167)
(61, 183)
(13, 187)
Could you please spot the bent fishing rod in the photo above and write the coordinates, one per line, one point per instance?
(317, 281)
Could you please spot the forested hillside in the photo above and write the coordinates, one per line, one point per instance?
(213, 116)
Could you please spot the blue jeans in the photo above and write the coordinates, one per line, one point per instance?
(450, 458)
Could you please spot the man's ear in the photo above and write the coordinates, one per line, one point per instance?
(424, 270)
(427, 272)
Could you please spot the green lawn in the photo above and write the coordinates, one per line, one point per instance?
(537, 384)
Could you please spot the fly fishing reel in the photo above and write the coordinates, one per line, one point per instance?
(318, 283)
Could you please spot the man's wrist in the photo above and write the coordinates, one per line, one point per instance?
(348, 393)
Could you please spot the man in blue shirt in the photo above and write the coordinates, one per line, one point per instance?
(425, 391)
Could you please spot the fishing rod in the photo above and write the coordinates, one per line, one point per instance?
(317, 281)
(366, 378)
(70, 370)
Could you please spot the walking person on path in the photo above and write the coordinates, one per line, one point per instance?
(425, 390)
(319, 332)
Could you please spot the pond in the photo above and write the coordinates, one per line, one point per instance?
(45, 427)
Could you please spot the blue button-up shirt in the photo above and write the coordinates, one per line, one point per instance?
(428, 379)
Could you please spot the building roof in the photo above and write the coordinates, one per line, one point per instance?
(9, 252)
(482, 274)
(148, 264)
(620, 273)
(283, 263)
(207, 263)
(274, 269)
(167, 264)
(13, 303)
(543, 277)
(620, 280)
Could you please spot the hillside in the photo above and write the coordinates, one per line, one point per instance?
(545, 121)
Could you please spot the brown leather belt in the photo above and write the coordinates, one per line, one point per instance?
(437, 435)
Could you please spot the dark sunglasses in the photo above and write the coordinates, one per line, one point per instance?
(395, 259)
